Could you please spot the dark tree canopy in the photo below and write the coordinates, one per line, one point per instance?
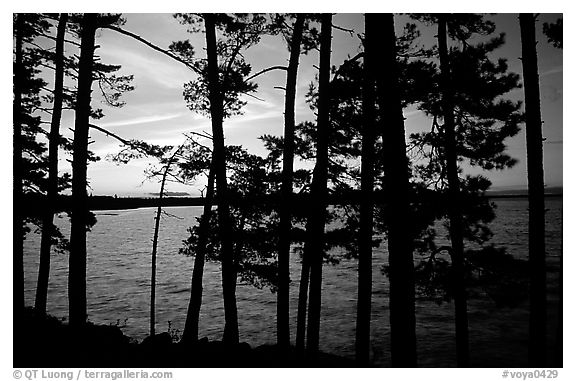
(554, 32)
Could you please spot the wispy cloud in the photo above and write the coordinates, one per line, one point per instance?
(150, 66)
(553, 142)
(140, 120)
(554, 70)
(248, 118)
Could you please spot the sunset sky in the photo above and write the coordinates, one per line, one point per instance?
(155, 111)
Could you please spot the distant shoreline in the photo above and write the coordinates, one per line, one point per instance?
(521, 195)
(97, 203)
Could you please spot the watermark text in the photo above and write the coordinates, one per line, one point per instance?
(90, 374)
(530, 374)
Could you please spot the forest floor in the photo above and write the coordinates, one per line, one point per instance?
(45, 341)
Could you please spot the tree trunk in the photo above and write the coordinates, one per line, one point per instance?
(52, 191)
(154, 251)
(536, 221)
(79, 209)
(396, 180)
(190, 334)
(319, 192)
(367, 188)
(219, 157)
(454, 212)
(283, 304)
(18, 218)
(155, 243)
(303, 300)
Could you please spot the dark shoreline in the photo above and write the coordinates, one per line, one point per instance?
(43, 341)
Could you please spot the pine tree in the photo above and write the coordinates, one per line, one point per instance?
(476, 119)
(28, 153)
(18, 219)
(190, 333)
(283, 306)
(554, 33)
(217, 116)
(367, 189)
(79, 218)
(455, 214)
(89, 70)
(165, 172)
(223, 77)
(48, 228)
(536, 207)
(182, 165)
(397, 187)
(314, 247)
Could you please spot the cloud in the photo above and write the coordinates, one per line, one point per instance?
(554, 70)
(148, 65)
(140, 120)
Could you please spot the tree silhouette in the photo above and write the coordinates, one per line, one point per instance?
(217, 115)
(346, 120)
(554, 32)
(314, 245)
(536, 207)
(17, 218)
(41, 177)
(190, 333)
(398, 213)
(182, 165)
(455, 216)
(252, 181)
(48, 228)
(555, 36)
(283, 306)
(165, 171)
(367, 189)
(476, 121)
(216, 93)
(89, 70)
(77, 268)
(29, 165)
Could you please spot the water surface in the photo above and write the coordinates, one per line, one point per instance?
(118, 286)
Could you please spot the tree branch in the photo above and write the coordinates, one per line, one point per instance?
(108, 133)
(151, 45)
(255, 97)
(265, 71)
(350, 31)
(203, 135)
(231, 62)
(54, 39)
(346, 63)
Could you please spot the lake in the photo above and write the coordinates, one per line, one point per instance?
(118, 286)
